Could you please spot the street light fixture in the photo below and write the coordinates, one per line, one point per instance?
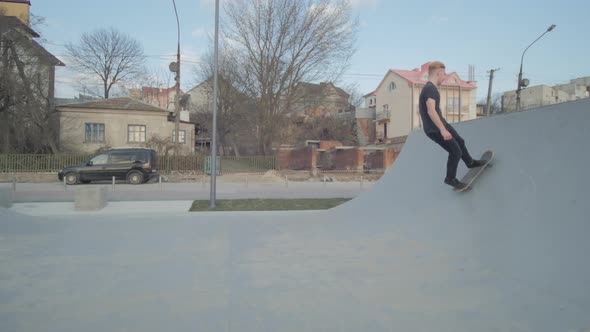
(523, 83)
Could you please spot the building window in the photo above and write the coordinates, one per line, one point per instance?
(385, 107)
(94, 132)
(452, 104)
(181, 136)
(136, 134)
(392, 86)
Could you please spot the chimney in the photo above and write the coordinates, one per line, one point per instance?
(18, 8)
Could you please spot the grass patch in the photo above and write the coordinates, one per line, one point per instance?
(269, 204)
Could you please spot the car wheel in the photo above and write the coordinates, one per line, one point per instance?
(135, 177)
(71, 178)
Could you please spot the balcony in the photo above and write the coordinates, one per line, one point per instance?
(383, 116)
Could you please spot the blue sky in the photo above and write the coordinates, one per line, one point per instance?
(392, 35)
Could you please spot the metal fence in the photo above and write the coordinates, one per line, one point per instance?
(38, 163)
(50, 163)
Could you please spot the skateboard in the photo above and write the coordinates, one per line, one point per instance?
(473, 173)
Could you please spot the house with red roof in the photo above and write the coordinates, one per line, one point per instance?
(395, 101)
(159, 97)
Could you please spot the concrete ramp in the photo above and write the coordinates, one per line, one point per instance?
(410, 255)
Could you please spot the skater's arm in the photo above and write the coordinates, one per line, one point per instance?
(430, 105)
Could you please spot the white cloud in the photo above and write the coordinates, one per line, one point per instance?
(199, 33)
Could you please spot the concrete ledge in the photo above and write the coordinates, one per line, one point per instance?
(91, 198)
(6, 197)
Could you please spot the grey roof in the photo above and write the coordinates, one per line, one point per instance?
(14, 27)
(320, 89)
(46, 55)
(123, 103)
(13, 21)
(409, 255)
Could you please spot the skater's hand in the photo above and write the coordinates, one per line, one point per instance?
(446, 135)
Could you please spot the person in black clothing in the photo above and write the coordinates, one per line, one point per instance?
(439, 130)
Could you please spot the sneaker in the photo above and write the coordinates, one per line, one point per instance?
(476, 163)
(455, 183)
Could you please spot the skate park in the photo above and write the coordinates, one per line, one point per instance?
(408, 255)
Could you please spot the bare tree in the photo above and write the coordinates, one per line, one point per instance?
(26, 90)
(236, 111)
(276, 44)
(109, 54)
(355, 98)
(328, 128)
(496, 103)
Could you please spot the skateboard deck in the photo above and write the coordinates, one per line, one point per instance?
(473, 173)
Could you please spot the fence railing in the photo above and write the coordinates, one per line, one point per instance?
(31, 163)
(49, 163)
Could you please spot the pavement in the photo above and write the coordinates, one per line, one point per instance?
(56, 192)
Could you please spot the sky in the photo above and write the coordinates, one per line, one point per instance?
(392, 34)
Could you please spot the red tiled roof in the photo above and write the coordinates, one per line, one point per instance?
(420, 76)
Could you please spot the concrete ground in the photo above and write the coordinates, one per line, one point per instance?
(56, 192)
(409, 255)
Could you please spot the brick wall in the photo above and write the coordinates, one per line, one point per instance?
(352, 159)
(329, 144)
(297, 159)
(389, 156)
(374, 159)
(336, 159)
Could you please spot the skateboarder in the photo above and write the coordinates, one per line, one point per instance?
(437, 128)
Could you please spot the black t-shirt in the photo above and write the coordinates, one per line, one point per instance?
(430, 91)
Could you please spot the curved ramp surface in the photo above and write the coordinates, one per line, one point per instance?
(410, 255)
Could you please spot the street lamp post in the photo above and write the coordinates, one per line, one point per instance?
(213, 189)
(524, 83)
(176, 69)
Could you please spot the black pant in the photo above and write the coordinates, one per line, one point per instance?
(456, 149)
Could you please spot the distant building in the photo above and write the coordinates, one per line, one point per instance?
(159, 97)
(115, 122)
(17, 8)
(541, 95)
(395, 101)
(315, 100)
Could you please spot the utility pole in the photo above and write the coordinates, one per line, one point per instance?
(177, 96)
(491, 71)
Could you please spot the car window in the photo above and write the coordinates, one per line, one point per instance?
(121, 158)
(138, 156)
(101, 159)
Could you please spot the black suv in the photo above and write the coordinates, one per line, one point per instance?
(136, 165)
